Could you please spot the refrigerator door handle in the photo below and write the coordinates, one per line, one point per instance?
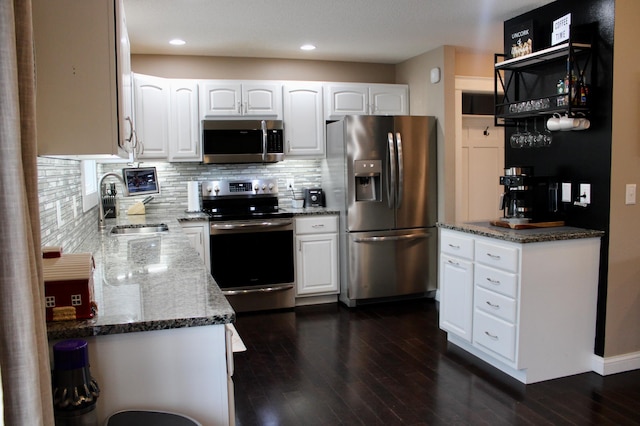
(391, 238)
(400, 185)
(391, 172)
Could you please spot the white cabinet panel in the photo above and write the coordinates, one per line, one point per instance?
(152, 116)
(184, 126)
(317, 271)
(456, 296)
(389, 99)
(494, 334)
(361, 99)
(198, 234)
(303, 119)
(219, 98)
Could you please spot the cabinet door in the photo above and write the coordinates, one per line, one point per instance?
(317, 264)
(151, 116)
(125, 83)
(220, 99)
(77, 80)
(345, 99)
(184, 137)
(456, 296)
(304, 119)
(263, 100)
(389, 99)
(199, 238)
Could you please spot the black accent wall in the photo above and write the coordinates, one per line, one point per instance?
(577, 156)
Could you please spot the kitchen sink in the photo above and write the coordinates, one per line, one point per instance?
(147, 228)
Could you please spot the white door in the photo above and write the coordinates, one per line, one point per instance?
(317, 264)
(456, 296)
(184, 142)
(482, 165)
(345, 99)
(151, 102)
(219, 99)
(263, 100)
(304, 119)
(389, 99)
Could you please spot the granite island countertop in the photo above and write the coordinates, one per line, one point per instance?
(147, 282)
(522, 235)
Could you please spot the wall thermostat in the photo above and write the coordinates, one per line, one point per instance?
(435, 75)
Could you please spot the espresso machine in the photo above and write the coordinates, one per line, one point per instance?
(528, 198)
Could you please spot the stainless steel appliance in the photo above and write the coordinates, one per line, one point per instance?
(251, 243)
(313, 197)
(380, 172)
(242, 141)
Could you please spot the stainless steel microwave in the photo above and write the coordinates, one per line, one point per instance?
(242, 141)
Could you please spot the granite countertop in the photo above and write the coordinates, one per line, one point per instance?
(147, 282)
(535, 235)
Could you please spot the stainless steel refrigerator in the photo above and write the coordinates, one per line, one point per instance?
(380, 173)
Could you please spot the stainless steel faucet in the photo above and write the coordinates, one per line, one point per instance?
(101, 224)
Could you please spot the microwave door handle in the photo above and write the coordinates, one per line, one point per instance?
(264, 140)
(400, 185)
(391, 171)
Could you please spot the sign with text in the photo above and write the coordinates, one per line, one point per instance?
(520, 38)
(561, 29)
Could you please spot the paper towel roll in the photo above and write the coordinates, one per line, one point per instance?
(193, 197)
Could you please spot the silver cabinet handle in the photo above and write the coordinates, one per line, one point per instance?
(318, 225)
(494, 282)
(391, 238)
(454, 246)
(493, 256)
(451, 262)
(492, 305)
(491, 336)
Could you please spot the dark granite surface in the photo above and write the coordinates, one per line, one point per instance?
(147, 282)
(522, 235)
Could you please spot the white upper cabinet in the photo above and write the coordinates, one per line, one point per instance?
(361, 99)
(166, 117)
(151, 116)
(184, 126)
(303, 119)
(81, 63)
(240, 99)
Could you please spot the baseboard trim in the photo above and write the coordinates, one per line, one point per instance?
(616, 364)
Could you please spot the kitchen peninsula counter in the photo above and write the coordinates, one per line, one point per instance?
(522, 236)
(147, 282)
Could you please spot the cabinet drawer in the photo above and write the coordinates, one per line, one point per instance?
(498, 256)
(496, 280)
(456, 245)
(316, 225)
(495, 304)
(494, 334)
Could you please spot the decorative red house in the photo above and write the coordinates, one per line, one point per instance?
(68, 285)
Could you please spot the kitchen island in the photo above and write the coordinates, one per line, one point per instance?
(159, 339)
(523, 301)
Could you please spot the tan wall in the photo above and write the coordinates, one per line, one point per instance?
(472, 63)
(622, 335)
(261, 69)
(437, 100)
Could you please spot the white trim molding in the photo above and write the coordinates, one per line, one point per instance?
(616, 364)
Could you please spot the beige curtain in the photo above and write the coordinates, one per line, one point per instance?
(24, 359)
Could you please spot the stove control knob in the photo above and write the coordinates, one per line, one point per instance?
(216, 189)
(209, 189)
(270, 187)
(256, 188)
(264, 188)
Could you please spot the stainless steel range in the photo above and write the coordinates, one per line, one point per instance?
(251, 242)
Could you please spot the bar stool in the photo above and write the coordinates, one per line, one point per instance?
(150, 418)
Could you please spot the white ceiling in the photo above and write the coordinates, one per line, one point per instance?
(380, 31)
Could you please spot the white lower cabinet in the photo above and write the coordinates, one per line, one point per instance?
(528, 309)
(198, 234)
(317, 271)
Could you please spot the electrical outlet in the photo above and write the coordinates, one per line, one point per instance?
(630, 194)
(585, 193)
(290, 186)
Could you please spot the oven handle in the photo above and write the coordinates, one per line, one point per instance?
(258, 290)
(233, 226)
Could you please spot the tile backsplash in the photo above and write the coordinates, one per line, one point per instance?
(63, 223)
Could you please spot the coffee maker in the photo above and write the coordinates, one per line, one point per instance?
(528, 198)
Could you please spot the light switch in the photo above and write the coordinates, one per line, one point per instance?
(630, 194)
(585, 193)
(566, 192)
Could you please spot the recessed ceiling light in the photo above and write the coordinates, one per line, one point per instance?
(307, 47)
(177, 42)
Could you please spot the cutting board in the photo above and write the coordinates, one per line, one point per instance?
(527, 225)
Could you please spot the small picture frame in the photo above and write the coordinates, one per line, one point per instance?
(141, 180)
(519, 38)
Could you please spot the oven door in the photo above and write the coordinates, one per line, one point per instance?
(252, 262)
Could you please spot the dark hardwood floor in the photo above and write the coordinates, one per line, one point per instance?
(390, 364)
